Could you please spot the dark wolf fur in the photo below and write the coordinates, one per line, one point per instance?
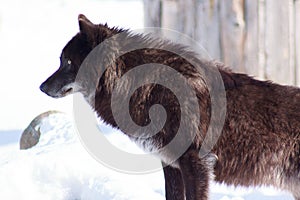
(260, 141)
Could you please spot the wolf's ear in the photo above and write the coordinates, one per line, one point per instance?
(85, 25)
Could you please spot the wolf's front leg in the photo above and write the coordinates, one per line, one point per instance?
(174, 187)
(195, 173)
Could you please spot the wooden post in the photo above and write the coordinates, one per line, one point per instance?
(277, 31)
(251, 52)
(152, 13)
(207, 30)
(170, 15)
(179, 15)
(261, 39)
(186, 16)
(297, 39)
(292, 43)
(233, 33)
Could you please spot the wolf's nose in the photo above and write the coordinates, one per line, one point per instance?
(43, 87)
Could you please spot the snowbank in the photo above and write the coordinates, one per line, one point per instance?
(60, 168)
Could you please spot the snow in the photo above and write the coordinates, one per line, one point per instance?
(59, 167)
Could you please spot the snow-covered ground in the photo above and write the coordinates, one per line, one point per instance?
(32, 34)
(59, 168)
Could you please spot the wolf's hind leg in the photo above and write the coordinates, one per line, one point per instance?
(174, 187)
(196, 172)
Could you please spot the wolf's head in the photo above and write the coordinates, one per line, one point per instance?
(62, 82)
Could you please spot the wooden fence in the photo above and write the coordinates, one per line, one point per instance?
(258, 37)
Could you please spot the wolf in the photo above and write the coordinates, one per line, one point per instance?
(260, 140)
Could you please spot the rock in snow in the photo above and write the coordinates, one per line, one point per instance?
(31, 135)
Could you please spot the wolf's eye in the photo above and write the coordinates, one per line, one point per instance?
(69, 62)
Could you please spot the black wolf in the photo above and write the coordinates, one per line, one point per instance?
(260, 140)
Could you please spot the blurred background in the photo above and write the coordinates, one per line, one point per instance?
(258, 37)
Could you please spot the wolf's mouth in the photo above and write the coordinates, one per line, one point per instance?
(67, 91)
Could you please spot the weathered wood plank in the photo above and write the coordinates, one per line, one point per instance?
(179, 15)
(186, 16)
(152, 13)
(277, 29)
(170, 15)
(233, 33)
(297, 39)
(207, 27)
(292, 42)
(261, 39)
(251, 52)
